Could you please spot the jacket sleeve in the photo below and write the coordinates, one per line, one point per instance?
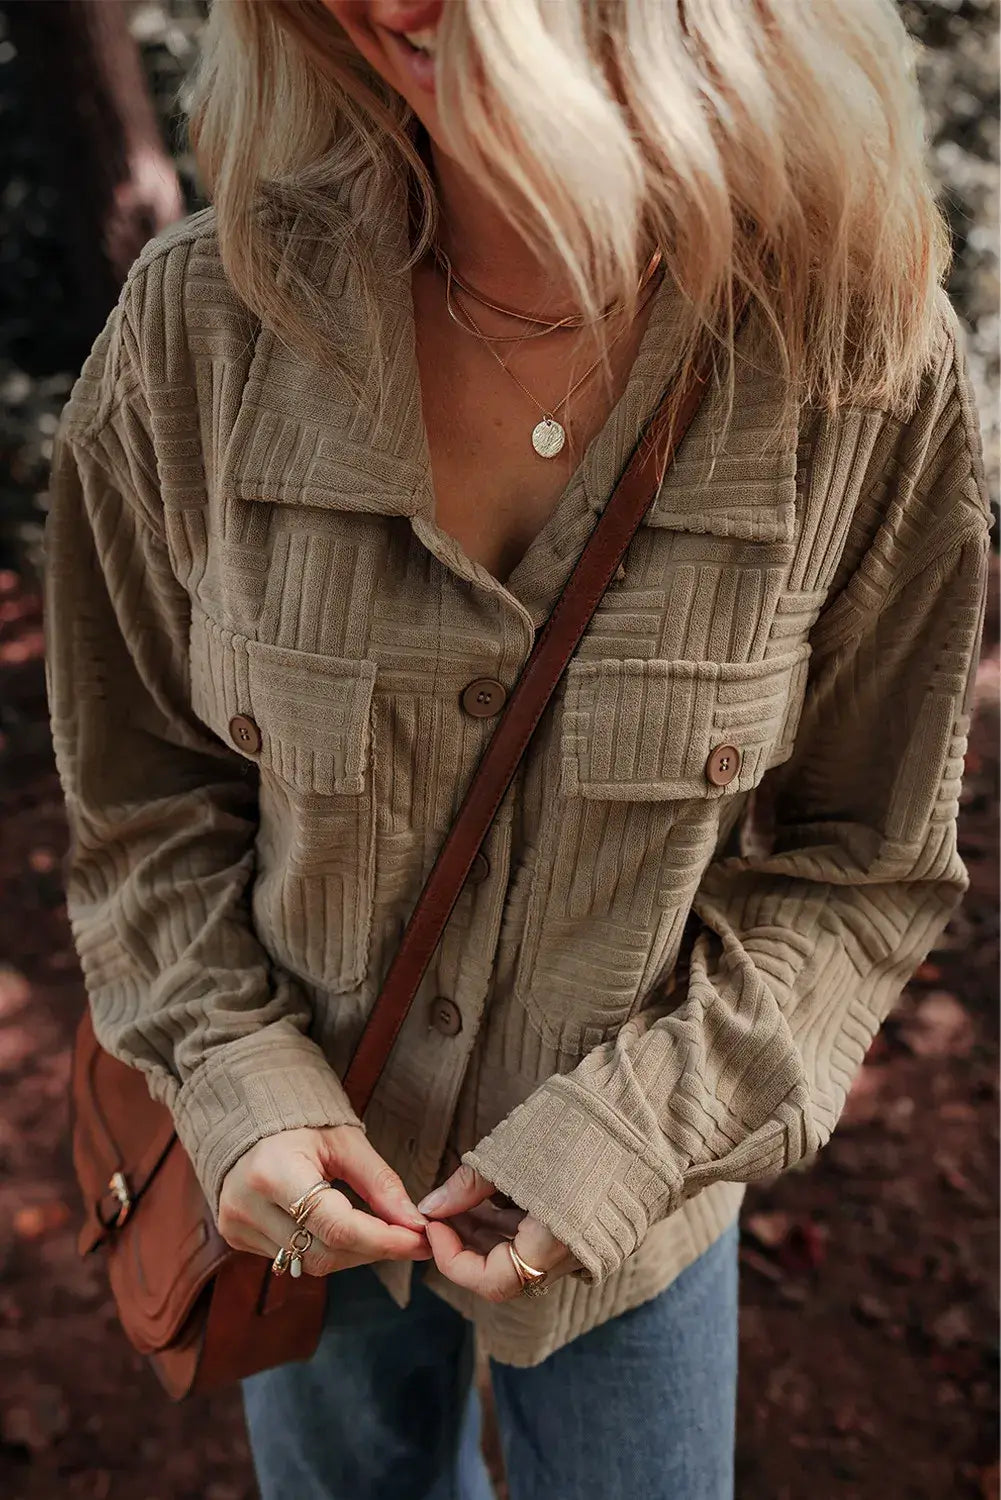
(162, 814)
(802, 949)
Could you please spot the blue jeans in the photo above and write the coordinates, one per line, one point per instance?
(642, 1406)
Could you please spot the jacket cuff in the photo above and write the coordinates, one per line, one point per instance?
(576, 1166)
(275, 1079)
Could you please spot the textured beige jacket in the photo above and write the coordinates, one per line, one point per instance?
(259, 643)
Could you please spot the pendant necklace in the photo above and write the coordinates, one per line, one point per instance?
(548, 435)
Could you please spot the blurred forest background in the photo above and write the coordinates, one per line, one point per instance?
(869, 1294)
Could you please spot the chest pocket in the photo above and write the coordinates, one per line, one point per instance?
(653, 760)
(306, 722)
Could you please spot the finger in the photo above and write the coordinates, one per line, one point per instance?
(539, 1248)
(463, 1190)
(358, 1162)
(315, 1262)
(318, 1260)
(347, 1230)
(490, 1276)
(272, 1228)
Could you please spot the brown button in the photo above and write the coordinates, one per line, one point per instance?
(479, 869)
(245, 734)
(723, 764)
(484, 697)
(445, 1016)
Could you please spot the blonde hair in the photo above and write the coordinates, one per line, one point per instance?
(772, 147)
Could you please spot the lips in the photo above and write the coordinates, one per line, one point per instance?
(410, 32)
(424, 41)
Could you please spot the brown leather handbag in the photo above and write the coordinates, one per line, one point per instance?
(207, 1315)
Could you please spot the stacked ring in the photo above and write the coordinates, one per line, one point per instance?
(533, 1281)
(289, 1257)
(302, 1205)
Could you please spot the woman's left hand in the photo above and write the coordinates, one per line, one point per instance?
(472, 1251)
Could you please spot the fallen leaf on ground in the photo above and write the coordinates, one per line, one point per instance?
(35, 1419)
(939, 1027)
(15, 992)
(760, 1263)
(804, 1248)
(871, 1309)
(39, 1219)
(769, 1228)
(952, 1327)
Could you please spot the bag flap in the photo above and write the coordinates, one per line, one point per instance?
(163, 1257)
(120, 1135)
(143, 1202)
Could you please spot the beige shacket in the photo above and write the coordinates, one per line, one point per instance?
(258, 642)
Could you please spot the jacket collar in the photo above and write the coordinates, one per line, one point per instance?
(301, 437)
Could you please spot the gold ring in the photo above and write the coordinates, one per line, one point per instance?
(533, 1281)
(302, 1205)
(289, 1257)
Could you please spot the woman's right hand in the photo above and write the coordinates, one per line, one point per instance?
(257, 1190)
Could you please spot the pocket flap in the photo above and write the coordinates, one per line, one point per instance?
(313, 712)
(645, 730)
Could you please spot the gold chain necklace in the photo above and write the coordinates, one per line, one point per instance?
(548, 435)
(523, 337)
(544, 325)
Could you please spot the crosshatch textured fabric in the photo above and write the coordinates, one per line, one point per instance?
(233, 533)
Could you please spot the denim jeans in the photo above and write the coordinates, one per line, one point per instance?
(640, 1408)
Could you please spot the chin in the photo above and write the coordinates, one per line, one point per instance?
(398, 39)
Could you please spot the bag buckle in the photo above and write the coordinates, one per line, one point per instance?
(119, 1188)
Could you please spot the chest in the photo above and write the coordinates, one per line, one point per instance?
(352, 636)
(493, 492)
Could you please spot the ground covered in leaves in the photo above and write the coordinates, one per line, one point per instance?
(869, 1316)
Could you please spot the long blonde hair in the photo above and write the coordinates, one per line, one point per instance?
(775, 147)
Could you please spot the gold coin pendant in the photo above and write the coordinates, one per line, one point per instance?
(548, 437)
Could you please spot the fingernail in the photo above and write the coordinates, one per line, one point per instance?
(416, 1219)
(433, 1201)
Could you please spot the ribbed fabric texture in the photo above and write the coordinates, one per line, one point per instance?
(232, 533)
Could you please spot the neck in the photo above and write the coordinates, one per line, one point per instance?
(488, 251)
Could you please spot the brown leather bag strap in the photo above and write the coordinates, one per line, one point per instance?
(552, 652)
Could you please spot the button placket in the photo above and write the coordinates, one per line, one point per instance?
(449, 1055)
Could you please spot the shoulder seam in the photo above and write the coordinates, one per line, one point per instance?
(123, 317)
(186, 231)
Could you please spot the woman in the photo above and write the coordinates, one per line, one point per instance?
(323, 476)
